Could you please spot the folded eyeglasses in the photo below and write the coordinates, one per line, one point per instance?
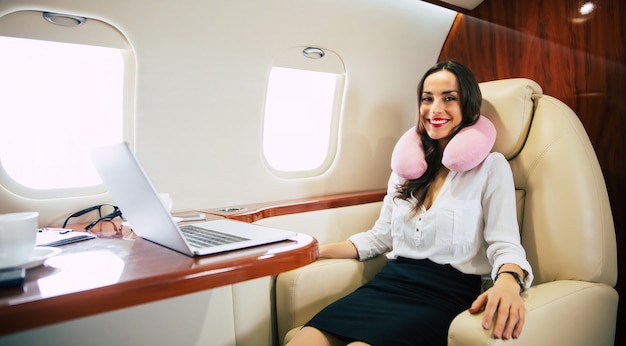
(114, 211)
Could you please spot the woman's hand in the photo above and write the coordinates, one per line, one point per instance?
(504, 303)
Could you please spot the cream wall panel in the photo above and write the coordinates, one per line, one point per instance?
(203, 318)
(253, 303)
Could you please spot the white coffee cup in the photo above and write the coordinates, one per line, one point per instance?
(18, 234)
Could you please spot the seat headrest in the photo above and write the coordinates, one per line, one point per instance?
(509, 104)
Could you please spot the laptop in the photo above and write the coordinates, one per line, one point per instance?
(135, 195)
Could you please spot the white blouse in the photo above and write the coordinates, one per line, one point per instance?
(472, 224)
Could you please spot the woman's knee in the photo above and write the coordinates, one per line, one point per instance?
(309, 336)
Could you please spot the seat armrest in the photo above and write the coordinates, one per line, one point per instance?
(557, 313)
(303, 292)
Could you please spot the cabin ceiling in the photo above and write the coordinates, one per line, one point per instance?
(467, 4)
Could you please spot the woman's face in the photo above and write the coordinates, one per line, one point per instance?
(440, 105)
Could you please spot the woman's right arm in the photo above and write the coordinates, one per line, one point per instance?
(344, 249)
(373, 242)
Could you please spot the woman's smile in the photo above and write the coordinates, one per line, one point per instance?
(438, 122)
(440, 105)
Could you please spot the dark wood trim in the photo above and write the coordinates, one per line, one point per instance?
(255, 212)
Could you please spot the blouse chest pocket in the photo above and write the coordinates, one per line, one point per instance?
(399, 218)
(458, 222)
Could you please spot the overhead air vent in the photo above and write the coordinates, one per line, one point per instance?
(64, 19)
(313, 53)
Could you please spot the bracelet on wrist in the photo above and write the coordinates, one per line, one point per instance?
(517, 277)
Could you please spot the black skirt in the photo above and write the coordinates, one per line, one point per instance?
(410, 302)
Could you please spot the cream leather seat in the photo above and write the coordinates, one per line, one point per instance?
(565, 222)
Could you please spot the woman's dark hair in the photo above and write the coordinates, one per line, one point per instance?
(471, 100)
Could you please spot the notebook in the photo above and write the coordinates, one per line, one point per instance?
(135, 195)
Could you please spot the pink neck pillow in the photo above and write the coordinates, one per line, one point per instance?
(465, 151)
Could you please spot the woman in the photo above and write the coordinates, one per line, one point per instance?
(442, 232)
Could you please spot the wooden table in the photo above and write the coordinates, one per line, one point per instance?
(111, 272)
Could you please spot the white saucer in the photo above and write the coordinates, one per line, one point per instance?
(40, 255)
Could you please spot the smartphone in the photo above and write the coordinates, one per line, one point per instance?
(12, 277)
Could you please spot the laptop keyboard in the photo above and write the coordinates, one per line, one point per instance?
(202, 237)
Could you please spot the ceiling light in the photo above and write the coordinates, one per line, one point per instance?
(587, 8)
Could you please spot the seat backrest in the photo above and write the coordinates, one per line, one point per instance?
(564, 213)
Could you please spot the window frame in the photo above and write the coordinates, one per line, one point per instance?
(293, 58)
(95, 33)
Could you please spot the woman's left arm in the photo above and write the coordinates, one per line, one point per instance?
(503, 304)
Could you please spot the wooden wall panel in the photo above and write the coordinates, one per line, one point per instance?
(578, 59)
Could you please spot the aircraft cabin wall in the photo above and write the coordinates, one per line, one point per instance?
(198, 80)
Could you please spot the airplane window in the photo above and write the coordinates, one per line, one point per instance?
(301, 116)
(298, 114)
(62, 91)
(56, 100)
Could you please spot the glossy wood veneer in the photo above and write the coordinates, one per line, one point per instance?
(109, 273)
(255, 212)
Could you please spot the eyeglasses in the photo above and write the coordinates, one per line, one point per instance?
(115, 212)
